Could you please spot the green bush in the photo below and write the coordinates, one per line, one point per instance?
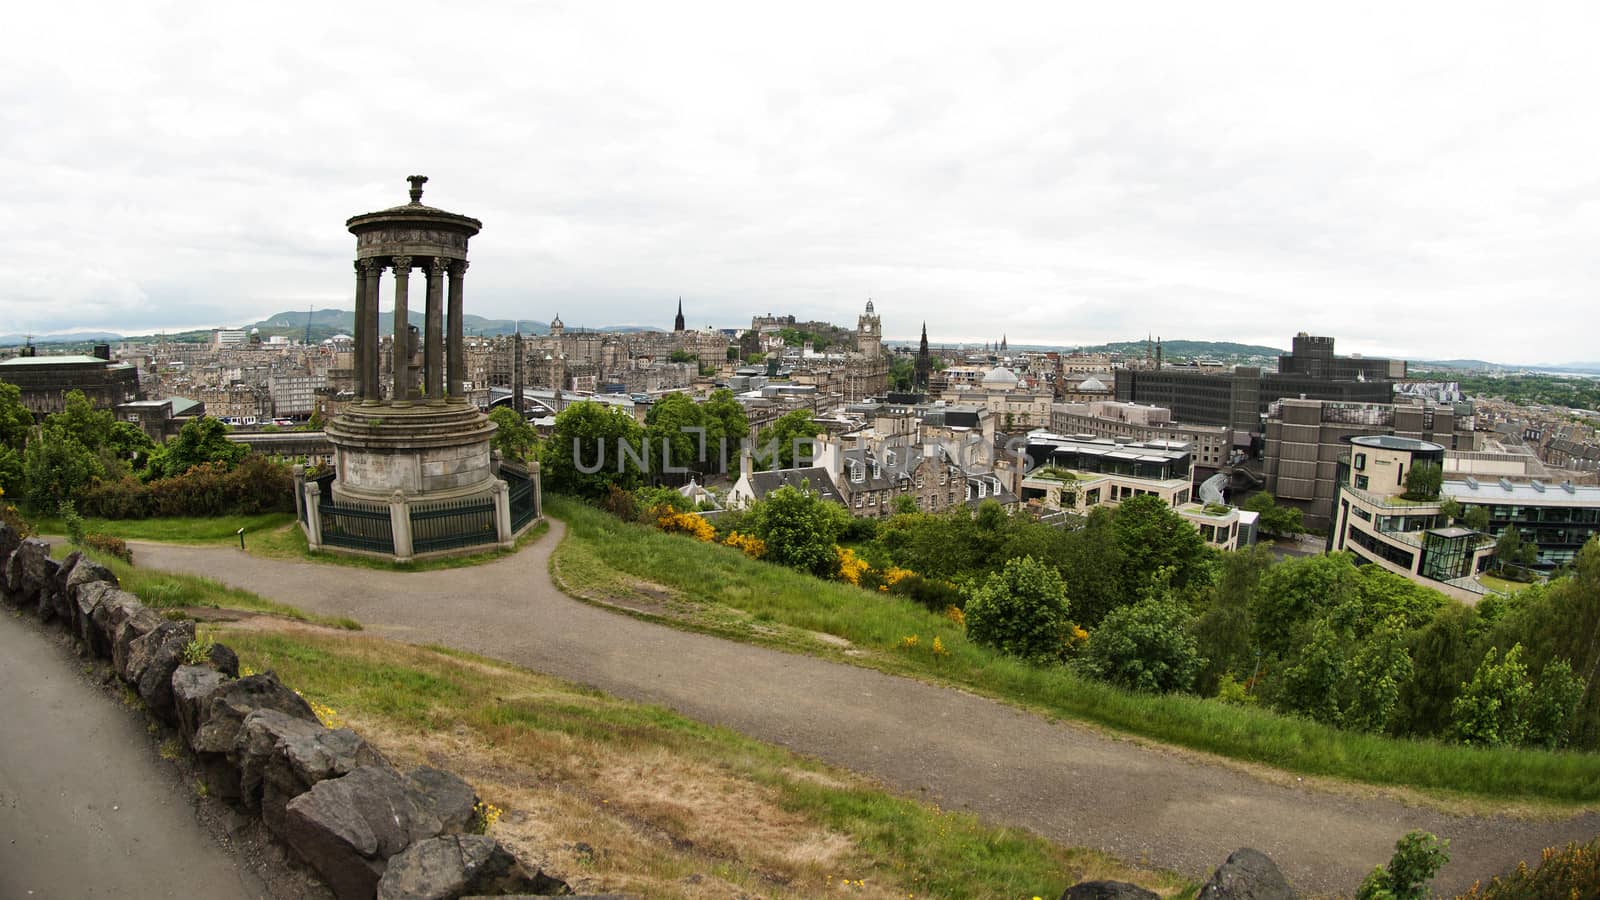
(1022, 611)
(931, 593)
(1418, 856)
(109, 545)
(1573, 871)
(256, 485)
(1145, 647)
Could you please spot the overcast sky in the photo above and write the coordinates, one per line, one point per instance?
(1417, 180)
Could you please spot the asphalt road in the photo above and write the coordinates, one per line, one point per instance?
(87, 808)
(1072, 784)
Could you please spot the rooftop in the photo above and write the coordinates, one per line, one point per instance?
(1535, 492)
(1394, 442)
(69, 360)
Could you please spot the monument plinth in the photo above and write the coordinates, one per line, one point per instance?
(414, 474)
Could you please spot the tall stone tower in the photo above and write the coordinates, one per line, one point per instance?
(924, 362)
(869, 333)
(677, 324)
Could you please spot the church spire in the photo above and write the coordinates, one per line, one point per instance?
(677, 324)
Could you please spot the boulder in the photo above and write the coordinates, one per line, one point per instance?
(192, 689)
(11, 581)
(85, 572)
(1247, 875)
(86, 602)
(347, 828)
(1108, 890)
(280, 757)
(31, 570)
(221, 717)
(453, 866)
(151, 661)
(224, 660)
(450, 799)
(130, 622)
(9, 541)
(56, 593)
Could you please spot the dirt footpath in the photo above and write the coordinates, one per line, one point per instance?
(1069, 783)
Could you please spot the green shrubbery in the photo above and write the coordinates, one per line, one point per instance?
(255, 485)
(1570, 872)
(1021, 610)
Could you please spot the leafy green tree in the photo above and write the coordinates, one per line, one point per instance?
(1492, 707)
(15, 419)
(1476, 518)
(726, 427)
(200, 441)
(1313, 677)
(783, 433)
(1153, 538)
(602, 439)
(902, 372)
(1022, 611)
(1450, 508)
(904, 504)
(1223, 628)
(1443, 659)
(1424, 480)
(678, 424)
(1513, 555)
(1379, 671)
(56, 466)
(1275, 519)
(1293, 593)
(800, 530)
(513, 436)
(1145, 647)
(11, 473)
(79, 418)
(1092, 564)
(1555, 699)
(1418, 856)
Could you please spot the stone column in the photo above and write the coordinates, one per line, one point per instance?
(400, 359)
(456, 344)
(433, 337)
(367, 334)
(502, 514)
(400, 526)
(359, 365)
(313, 523)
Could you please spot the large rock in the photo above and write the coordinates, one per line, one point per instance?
(151, 661)
(347, 828)
(1247, 875)
(1108, 890)
(56, 593)
(9, 541)
(280, 757)
(192, 690)
(453, 866)
(222, 716)
(130, 622)
(450, 799)
(224, 660)
(87, 599)
(85, 572)
(29, 574)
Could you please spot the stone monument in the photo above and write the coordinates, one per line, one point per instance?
(419, 448)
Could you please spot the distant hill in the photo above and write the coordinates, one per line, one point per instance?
(1180, 349)
(71, 337)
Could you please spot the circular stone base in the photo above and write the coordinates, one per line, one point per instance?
(423, 450)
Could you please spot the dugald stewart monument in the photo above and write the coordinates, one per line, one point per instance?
(414, 474)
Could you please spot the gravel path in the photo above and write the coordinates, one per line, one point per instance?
(1069, 783)
(86, 807)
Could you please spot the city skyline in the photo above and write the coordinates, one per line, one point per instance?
(1415, 183)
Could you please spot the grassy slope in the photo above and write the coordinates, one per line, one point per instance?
(600, 554)
(666, 806)
(221, 529)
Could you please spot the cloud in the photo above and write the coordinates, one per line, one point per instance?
(1408, 180)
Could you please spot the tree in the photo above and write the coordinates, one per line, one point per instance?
(1492, 707)
(1423, 481)
(783, 434)
(601, 439)
(1145, 647)
(726, 427)
(56, 466)
(1153, 538)
(1293, 593)
(1450, 508)
(675, 429)
(904, 504)
(513, 436)
(1476, 517)
(1222, 631)
(15, 419)
(1022, 611)
(1275, 519)
(1418, 856)
(200, 441)
(1555, 699)
(800, 530)
(1512, 555)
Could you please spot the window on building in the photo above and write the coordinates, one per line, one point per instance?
(1361, 482)
(1359, 463)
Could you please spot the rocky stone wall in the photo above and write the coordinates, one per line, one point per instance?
(367, 828)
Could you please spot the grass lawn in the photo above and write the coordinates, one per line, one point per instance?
(718, 589)
(636, 799)
(180, 530)
(1503, 585)
(173, 591)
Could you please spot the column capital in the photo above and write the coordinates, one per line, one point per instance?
(437, 266)
(401, 264)
(458, 267)
(370, 265)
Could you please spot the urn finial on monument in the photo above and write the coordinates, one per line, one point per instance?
(417, 181)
